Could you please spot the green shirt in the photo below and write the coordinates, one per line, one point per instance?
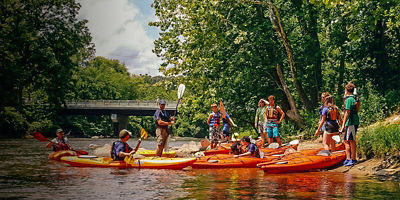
(353, 117)
(260, 114)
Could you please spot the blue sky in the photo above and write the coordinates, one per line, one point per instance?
(120, 31)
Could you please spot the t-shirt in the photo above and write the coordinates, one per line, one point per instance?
(58, 141)
(226, 123)
(260, 114)
(117, 147)
(161, 114)
(60, 144)
(254, 150)
(350, 104)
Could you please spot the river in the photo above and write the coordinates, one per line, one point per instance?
(27, 173)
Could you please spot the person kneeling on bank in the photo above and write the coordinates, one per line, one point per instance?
(248, 148)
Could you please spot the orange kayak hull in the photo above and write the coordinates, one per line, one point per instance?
(228, 161)
(303, 163)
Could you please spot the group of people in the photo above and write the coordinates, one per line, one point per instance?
(331, 120)
(267, 119)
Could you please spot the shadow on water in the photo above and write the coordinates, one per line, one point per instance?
(27, 173)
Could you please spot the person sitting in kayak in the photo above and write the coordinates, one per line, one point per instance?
(60, 142)
(271, 116)
(120, 148)
(247, 148)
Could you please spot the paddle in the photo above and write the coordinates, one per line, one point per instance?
(181, 90)
(130, 159)
(144, 135)
(41, 138)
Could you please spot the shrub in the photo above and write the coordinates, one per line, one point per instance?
(378, 140)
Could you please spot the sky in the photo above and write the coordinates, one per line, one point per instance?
(120, 30)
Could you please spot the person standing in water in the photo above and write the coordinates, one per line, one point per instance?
(213, 122)
(163, 120)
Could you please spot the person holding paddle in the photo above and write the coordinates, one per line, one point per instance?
(163, 120)
(60, 142)
(120, 148)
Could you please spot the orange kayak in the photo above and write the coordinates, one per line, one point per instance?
(298, 162)
(228, 161)
(148, 162)
(226, 148)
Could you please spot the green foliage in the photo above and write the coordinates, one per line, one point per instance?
(373, 105)
(12, 122)
(379, 140)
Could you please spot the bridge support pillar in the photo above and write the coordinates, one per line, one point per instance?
(122, 122)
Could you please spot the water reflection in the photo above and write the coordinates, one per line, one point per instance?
(26, 172)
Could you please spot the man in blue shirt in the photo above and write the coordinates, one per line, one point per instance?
(163, 120)
(247, 148)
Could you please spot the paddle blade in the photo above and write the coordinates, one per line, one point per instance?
(81, 152)
(39, 137)
(181, 90)
(222, 109)
(143, 134)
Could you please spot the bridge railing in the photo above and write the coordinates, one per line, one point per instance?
(117, 103)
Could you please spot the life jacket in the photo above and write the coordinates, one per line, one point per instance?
(214, 121)
(272, 113)
(60, 146)
(164, 116)
(333, 113)
(114, 154)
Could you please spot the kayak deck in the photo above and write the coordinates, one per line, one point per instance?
(148, 162)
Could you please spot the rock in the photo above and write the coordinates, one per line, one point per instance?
(188, 168)
(103, 150)
(93, 146)
(199, 154)
(361, 168)
(95, 137)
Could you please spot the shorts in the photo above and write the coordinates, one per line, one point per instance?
(332, 127)
(161, 135)
(261, 127)
(272, 129)
(226, 133)
(214, 134)
(350, 132)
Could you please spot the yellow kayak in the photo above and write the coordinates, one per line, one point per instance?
(152, 153)
(148, 162)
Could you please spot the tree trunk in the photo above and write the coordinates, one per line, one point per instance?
(292, 113)
(276, 22)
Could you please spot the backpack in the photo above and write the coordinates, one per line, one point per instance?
(333, 113)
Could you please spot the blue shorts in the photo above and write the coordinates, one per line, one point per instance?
(272, 129)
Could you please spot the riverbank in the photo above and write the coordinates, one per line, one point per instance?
(381, 168)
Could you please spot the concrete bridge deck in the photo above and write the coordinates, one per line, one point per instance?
(122, 107)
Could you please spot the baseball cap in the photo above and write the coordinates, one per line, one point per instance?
(123, 133)
(162, 101)
(59, 131)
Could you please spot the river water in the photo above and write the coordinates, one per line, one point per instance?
(27, 173)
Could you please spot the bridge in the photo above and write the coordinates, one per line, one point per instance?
(119, 107)
(119, 110)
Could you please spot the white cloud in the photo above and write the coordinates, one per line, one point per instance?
(119, 32)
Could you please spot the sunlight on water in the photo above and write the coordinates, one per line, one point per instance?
(26, 172)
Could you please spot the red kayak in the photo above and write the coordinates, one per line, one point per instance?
(228, 161)
(226, 148)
